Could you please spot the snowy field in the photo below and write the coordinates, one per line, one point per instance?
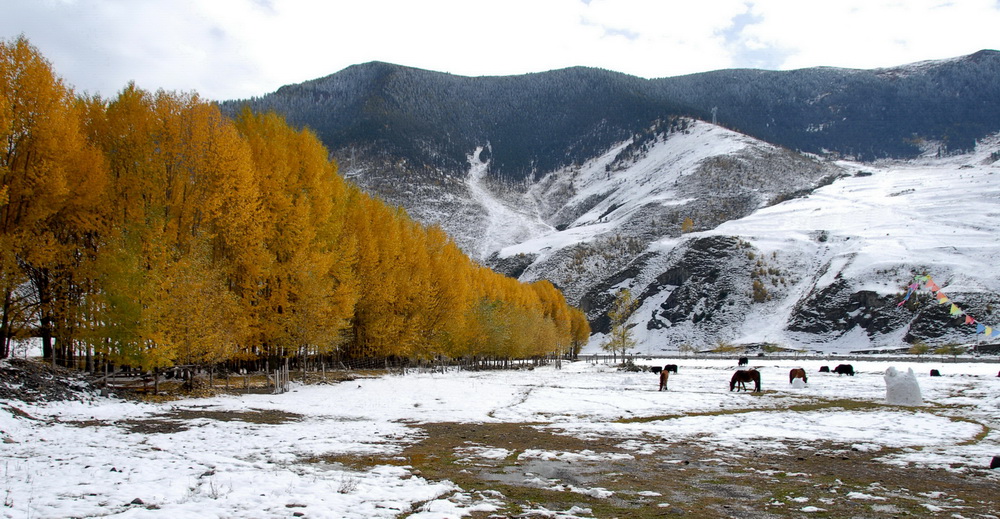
(215, 457)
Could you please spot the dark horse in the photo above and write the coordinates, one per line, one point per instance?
(844, 369)
(671, 368)
(741, 377)
(743, 361)
(797, 373)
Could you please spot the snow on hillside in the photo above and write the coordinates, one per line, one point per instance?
(876, 228)
(653, 179)
(504, 224)
(938, 216)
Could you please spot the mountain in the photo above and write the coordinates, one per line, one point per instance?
(826, 271)
(597, 180)
(534, 122)
(866, 114)
(537, 122)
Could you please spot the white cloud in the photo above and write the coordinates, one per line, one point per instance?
(238, 48)
(869, 34)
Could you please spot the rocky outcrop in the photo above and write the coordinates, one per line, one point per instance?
(709, 275)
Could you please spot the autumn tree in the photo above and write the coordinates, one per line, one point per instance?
(149, 230)
(51, 181)
(687, 225)
(579, 331)
(919, 348)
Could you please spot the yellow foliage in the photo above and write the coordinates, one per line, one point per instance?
(166, 233)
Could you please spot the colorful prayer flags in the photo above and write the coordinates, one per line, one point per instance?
(955, 310)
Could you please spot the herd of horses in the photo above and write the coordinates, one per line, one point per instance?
(742, 377)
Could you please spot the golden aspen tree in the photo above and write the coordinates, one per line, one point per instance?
(228, 217)
(555, 309)
(201, 321)
(309, 288)
(155, 230)
(413, 283)
(182, 182)
(50, 176)
(132, 254)
(580, 330)
(446, 298)
(127, 135)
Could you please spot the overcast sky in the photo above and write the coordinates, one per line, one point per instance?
(226, 49)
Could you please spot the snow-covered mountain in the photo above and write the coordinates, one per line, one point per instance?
(609, 209)
(831, 266)
(830, 260)
(596, 181)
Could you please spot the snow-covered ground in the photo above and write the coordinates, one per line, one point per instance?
(84, 459)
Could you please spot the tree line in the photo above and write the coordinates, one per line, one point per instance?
(151, 230)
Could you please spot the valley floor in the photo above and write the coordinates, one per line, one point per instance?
(583, 441)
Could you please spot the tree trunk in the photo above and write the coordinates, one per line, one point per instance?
(5, 325)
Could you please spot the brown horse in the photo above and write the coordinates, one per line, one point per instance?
(741, 377)
(664, 375)
(797, 373)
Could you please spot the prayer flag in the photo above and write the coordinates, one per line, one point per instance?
(980, 328)
(969, 320)
(955, 310)
(942, 298)
(932, 286)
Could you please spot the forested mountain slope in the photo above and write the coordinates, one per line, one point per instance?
(537, 122)
(865, 114)
(534, 122)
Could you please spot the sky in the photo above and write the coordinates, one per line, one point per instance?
(230, 49)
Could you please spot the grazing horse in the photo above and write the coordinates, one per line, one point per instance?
(744, 361)
(655, 369)
(797, 373)
(741, 377)
(844, 369)
(671, 368)
(664, 375)
(935, 373)
(824, 369)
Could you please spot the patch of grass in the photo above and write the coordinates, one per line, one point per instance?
(694, 478)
